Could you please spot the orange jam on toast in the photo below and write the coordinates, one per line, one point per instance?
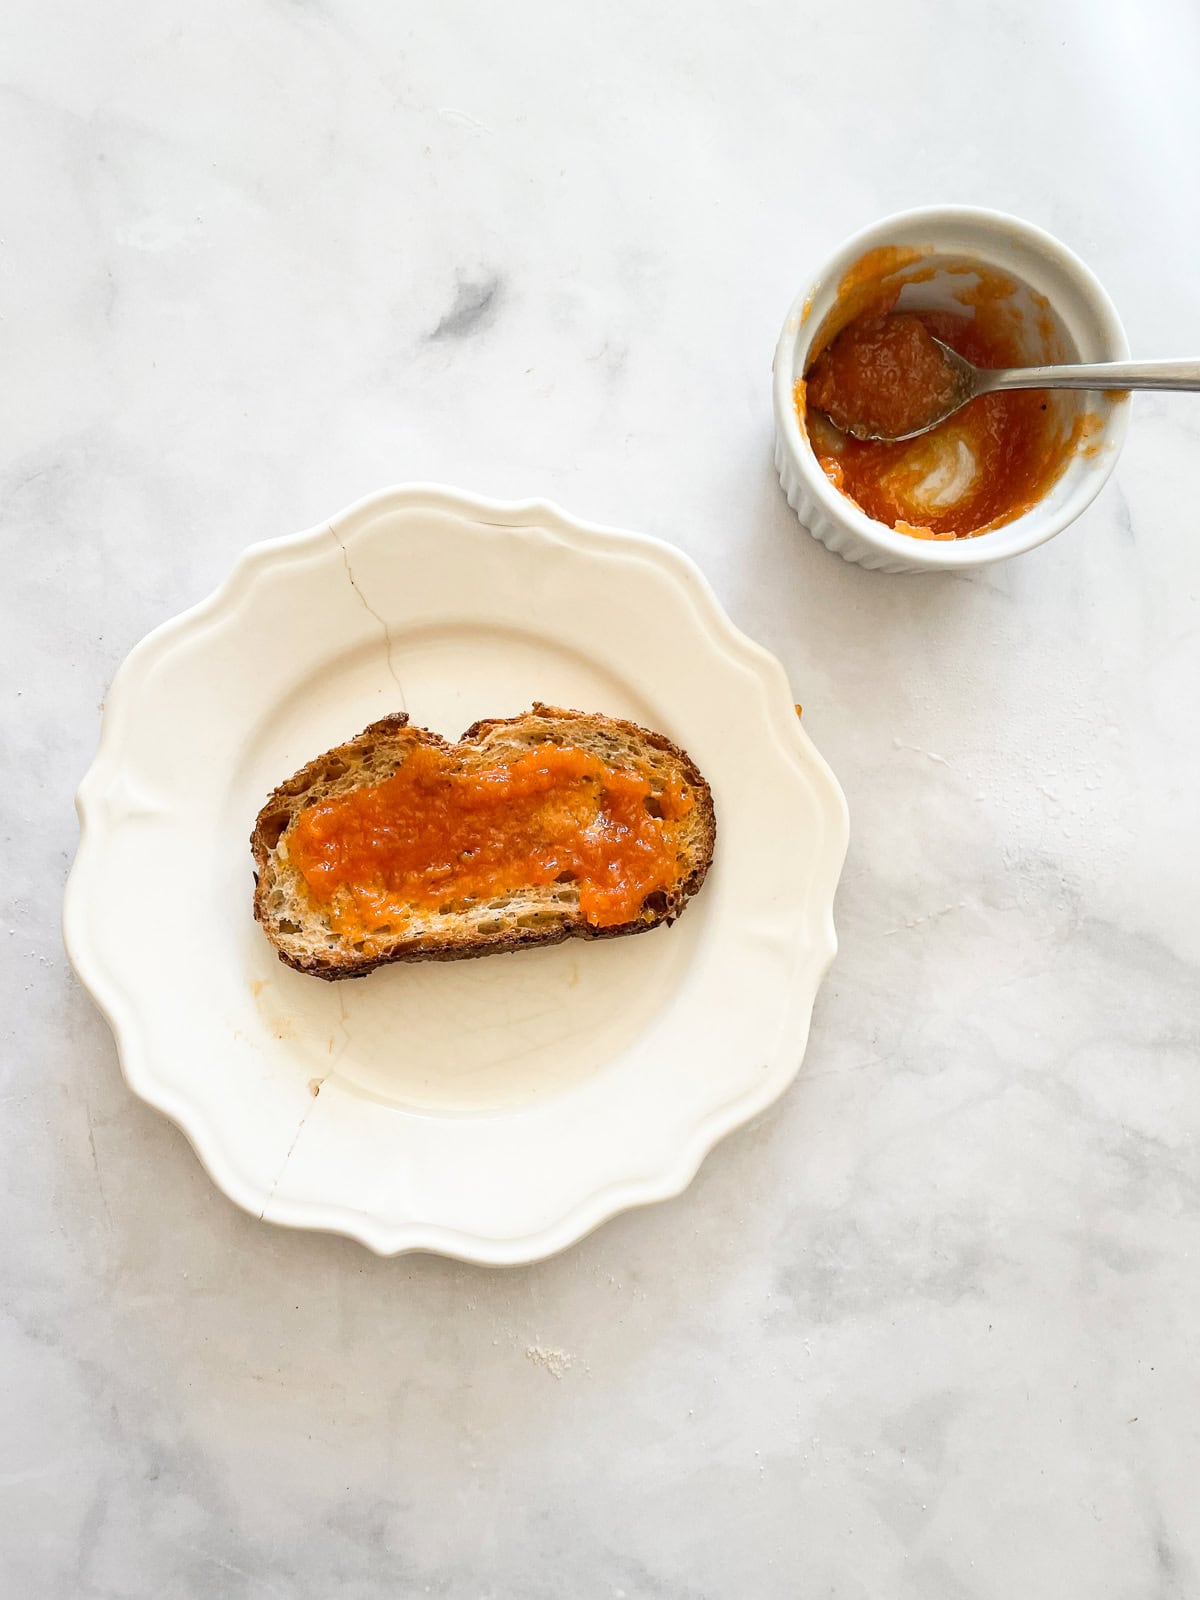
(443, 832)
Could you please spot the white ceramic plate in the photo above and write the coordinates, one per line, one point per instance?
(491, 1110)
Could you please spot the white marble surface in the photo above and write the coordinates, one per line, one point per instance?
(929, 1329)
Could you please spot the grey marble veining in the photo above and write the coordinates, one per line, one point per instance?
(928, 1329)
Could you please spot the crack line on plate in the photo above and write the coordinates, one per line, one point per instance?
(314, 1088)
(371, 611)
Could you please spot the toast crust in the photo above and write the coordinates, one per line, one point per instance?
(368, 758)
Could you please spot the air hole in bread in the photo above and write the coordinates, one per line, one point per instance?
(653, 806)
(565, 877)
(285, 926)
(272, 828)
(655, 903)
(493, 925)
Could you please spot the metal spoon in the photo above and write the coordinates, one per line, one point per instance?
(971, 381)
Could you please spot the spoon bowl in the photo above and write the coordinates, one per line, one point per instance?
(958, 386)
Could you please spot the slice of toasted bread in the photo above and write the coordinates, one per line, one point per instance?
(310, 937)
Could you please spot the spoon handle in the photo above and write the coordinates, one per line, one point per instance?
(1094, 375)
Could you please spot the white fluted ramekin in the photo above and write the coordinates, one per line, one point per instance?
(1089, 329)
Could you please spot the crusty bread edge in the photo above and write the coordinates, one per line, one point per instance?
(422, 948)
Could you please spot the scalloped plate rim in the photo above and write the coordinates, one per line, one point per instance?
(625, 1193)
